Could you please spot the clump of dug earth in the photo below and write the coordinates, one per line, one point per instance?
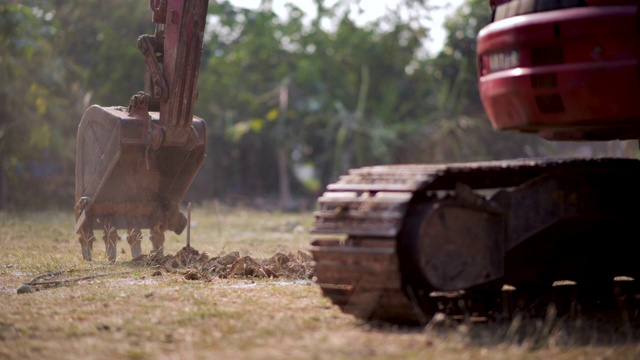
(197, 265)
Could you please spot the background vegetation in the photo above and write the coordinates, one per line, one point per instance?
(290, 104)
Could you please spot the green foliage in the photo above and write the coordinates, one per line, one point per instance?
(290, 102)
(350, 98)
(97, 43)
(33, 129)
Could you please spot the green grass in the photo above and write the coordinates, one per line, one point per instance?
(131, 314)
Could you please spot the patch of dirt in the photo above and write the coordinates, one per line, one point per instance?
(195, 265)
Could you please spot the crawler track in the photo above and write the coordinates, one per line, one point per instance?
(364, 215)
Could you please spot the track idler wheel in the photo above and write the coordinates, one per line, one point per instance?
(455, 246)
(448, 246)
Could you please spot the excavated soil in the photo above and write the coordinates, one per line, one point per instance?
(196, 265)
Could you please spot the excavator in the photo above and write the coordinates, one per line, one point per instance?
(134, 164)
(400, 243)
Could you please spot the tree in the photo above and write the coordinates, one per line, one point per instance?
(33, 129)
(97, 43)
(463, 131)
(366, 78)
(56, 57)
(455, 66)
(350, 91)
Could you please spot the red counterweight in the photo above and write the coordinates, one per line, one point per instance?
(567, 74)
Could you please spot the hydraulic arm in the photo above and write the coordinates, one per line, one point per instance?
(134, 164)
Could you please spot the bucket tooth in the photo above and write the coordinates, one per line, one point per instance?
(134, 238)
(157, 240)
(110, 237)
(86, 239)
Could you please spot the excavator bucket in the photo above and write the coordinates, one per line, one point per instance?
(129, 186)
(134, 164)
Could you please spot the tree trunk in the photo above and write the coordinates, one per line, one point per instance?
(3, 184)
(282, 151)
(283, 177)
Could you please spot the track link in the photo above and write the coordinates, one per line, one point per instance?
(362, 277)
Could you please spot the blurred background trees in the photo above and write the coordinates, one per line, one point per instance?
(290, 103)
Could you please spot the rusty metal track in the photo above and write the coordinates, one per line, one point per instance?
(363, 278)
(368, 207)
(372, 201)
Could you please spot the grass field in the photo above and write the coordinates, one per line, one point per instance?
(134, 310)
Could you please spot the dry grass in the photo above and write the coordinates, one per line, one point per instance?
(145, 312)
